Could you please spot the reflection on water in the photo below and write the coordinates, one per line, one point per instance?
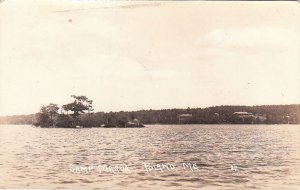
(164, 157)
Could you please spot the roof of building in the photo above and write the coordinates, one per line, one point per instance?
(185, 115)
(242, 113)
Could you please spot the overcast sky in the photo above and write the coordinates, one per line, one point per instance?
(148, 55)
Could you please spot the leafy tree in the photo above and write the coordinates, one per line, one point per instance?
(64, 121)
(52, 109)
(79, 105)
(46, 114)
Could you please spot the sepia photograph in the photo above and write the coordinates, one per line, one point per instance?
(134, 95)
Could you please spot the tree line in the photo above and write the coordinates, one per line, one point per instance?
(80, 112)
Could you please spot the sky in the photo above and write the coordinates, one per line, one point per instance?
(133, 55)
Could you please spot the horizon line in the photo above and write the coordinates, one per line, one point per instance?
(167, 109)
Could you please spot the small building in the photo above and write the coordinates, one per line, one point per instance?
(243, 117)
(260, 118)
(286, 119)
(247, 117)
(184, 118)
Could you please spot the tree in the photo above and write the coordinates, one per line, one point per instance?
(80, 105)
(52, 110)
(46, 114)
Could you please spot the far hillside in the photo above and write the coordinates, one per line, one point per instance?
(273, 114)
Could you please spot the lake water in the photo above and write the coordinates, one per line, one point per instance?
(157, 156)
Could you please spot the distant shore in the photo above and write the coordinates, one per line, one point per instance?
(265, 114)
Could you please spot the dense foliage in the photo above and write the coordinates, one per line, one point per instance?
(49, 117)
(46, 117)
(275, 114)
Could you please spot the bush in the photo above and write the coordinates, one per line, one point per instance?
(64, 121)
